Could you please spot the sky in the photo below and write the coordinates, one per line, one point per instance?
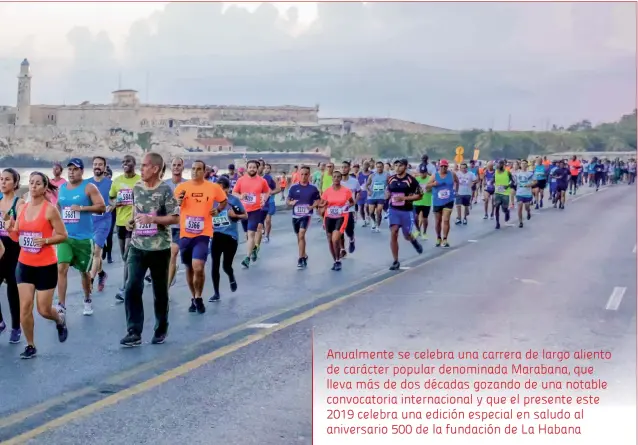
(453, 65)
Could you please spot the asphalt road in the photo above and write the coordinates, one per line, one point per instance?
(241, 373)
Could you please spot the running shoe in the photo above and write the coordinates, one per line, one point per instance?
(3, 326)
(158, 339)
(193, 307)
(15, 336)
(63, 331)
(214, 298)
(199, 304)
(119, 296)
(132, 339)
(395, 266)
(29, 352)
(88, 308)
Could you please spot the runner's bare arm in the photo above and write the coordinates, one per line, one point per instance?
(1, 250)
(97, 202)
(59, 230)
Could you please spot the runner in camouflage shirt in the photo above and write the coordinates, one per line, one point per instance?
(155, 209)
(156, 202)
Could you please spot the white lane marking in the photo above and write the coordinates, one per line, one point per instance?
(615, 298)
(404, 268)
(472, 241)
(528, 281)
(634, 251)
(263, 325)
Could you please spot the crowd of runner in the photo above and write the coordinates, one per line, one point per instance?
(157, 220)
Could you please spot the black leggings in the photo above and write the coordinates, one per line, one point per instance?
(108, 246)
(226, 245)
(8, 265)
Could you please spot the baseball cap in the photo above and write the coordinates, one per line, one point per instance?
(402, 161)
(444, 163)
(241, 169)
(231, 166)
(77, 162)
(423, 168)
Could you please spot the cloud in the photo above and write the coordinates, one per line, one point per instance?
(450, 64)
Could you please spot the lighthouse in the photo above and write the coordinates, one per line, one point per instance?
(23, 112)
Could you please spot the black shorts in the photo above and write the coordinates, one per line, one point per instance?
(123, 232)
(301, 223)
(462, 200)
(336, 224)
(350, 226)
(561, 187)
(541, 184)
(422, 210)
(439, 209)
(42, 277)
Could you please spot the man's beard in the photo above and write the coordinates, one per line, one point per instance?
(98, 172)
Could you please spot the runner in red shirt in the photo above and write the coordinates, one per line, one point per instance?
(335, 202)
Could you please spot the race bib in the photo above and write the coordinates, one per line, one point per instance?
(145, 229)
(125, 196)
(553, 180)
(500, 188)
(70, 216)
(423, 189)
(378, 187)
(221, 220)
(3, 226)
(334, 212)
(194, 224)
(251, 198)
(443, 194)
(301, 210)
(26, 240)
(395, 199)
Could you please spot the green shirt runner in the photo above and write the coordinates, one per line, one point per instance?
(427, 196)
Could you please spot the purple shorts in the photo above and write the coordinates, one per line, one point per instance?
(193, 249)
(401, 218)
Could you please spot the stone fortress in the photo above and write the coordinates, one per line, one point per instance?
(125, 125)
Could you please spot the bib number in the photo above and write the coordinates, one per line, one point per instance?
(443, 194)
(125, 196)
(251, 198)
(500, 188)
(221, 220)
(26, 240)
(335, 212)
(70, 216)
(378, 187)
(301, 210)
(395, 199)
(3, 225)
(194, 224)
(145, 229)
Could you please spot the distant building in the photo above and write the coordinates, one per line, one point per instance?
(215, 144)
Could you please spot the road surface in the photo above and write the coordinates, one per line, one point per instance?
(241, 373)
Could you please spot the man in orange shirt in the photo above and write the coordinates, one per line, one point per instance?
(197, 199)
(295, 177)
(253, 191)
(574, 170)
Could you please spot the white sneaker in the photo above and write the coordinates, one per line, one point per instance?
(88, 309)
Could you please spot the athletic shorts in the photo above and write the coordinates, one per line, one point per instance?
(255, 218)
(123, 232)
(301, 223)
(77, 253)
(474, 187)
(424, 210)
(541, 184)
(101, 231)
(501, 200)
(524, 199)
(489, 192)
(195, 248)
(42, 277)
(363, 197)
(462, 200)
(439, 209)
(336, 224)
(270, 208)
(561, 187)
(376, 202)
(401, 218)
(175, 235)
